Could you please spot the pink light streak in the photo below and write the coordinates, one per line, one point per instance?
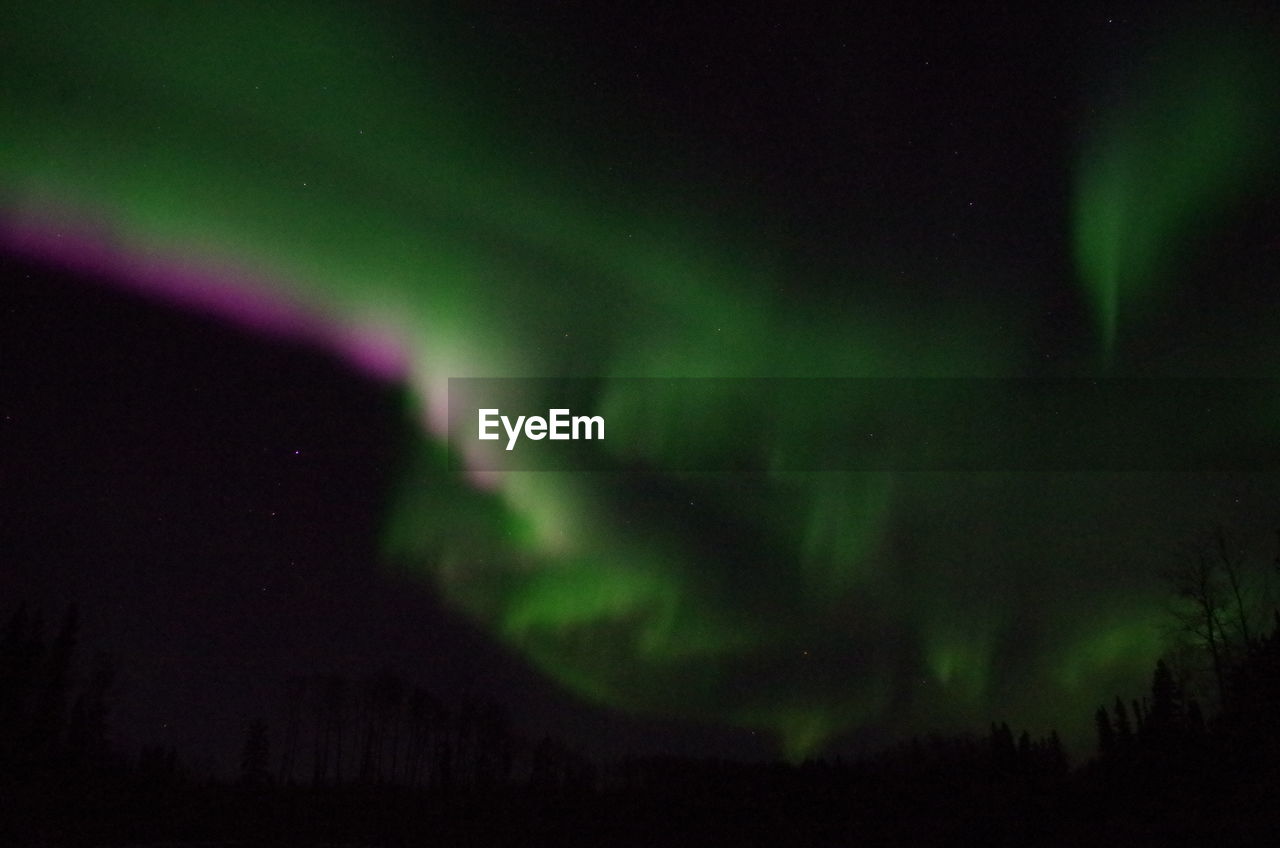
(239, 297)
(247, 300)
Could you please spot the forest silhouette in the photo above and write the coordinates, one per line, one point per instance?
(383, 761)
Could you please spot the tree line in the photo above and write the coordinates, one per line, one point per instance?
(383, 760)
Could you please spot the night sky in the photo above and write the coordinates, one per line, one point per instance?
(243, 249)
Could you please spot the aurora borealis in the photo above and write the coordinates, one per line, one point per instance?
(397, 189)
(1187, 138)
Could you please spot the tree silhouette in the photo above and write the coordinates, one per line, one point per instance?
(296, 689)
(1004, 754)
(255, 759)
(1106, 733)
(1215, 602)
(1124, 730)
(1167, 704)
(330, 723)
(87, 739)
(427, 719)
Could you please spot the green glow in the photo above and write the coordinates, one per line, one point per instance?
(1116, 651)
(961, 667)
(370, 172)
(1163, 165)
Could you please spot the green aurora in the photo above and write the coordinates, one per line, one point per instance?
(369, 174)
(1188, 140)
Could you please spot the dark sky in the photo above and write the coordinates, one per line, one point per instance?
(211, 501)
(215, 500)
